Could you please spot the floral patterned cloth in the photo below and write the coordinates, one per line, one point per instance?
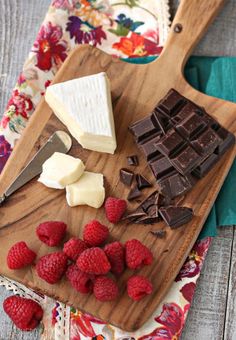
(125, 29)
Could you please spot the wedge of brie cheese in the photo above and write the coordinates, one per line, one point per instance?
(88, 190)
(84, 106)
(60, 170)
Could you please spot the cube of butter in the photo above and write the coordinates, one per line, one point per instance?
(60, 170)
(88, 190)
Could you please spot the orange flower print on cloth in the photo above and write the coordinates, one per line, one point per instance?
(136, 45)
(49, 47)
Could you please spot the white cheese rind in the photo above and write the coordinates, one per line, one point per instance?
(60, 170)
(84, 106)
(88, 190)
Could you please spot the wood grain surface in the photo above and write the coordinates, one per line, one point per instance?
(34, 203)
(22, 18)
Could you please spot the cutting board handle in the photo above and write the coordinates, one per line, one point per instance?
(190, 23)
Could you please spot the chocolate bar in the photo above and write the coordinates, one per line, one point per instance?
(181, 143)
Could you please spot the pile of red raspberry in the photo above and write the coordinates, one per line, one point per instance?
(90, 265)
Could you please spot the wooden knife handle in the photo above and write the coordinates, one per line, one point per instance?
(190, 23)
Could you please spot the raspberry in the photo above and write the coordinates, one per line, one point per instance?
(51, 232)
(81, 282)
(19, 256)
(105, 289)
(137, 254)
(51, 267)
(115, 209)
(73, 248)
(95, 233)
(138, 286)
(116, 256)
(25, 313)
(93, 261)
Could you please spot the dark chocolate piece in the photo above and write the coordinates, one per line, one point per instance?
(134, 193)
(142, 182)
(176, 216)
(228, 139)
(175, 184)
(160, 121)
(133, 160)
(134, 216)
(202, 169)
(159, 233)
(161, 167)
(191, 126)
(180, 141)
(172, 102)
(143, 129)
(150, 200)
(126, 176)
(170, 144)
(147, 211)
(206, 143)
(186, 160)
(149, 148)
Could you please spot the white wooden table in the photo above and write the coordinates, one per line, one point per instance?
(212, 314)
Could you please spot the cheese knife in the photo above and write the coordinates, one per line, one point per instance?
(60, 141)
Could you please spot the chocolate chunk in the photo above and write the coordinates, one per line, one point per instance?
(134, 193)
(176, 216)
(202, 169)
(174, 185)
(142, 182)
(159, 233)
(161, 121)
(170, 144)
(134, 216)
(126, 176)
(186, 160)
(185, 112)
(161, 167)
(147, 211)
(191, 126)
(149, 148)
(172, 102)
(228, 139)
(206, 143)
(150, 200)
(133, 160)
(143, 129)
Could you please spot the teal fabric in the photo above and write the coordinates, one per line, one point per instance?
(215, 76)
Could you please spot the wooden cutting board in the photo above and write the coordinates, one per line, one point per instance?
(135, 91)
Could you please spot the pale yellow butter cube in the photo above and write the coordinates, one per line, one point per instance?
(88, 190)
(60, 170)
